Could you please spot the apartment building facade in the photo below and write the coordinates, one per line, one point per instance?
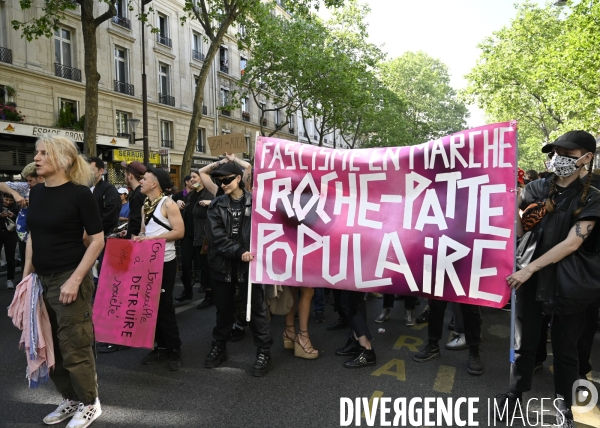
(45, 79)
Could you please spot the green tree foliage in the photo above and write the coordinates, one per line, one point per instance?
(542, 71)
(45, 22)
(432, 106)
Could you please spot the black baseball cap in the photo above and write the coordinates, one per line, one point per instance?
(226, 169)
(163, 177)
(573, 140)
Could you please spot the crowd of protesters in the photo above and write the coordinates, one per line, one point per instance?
(65, 227)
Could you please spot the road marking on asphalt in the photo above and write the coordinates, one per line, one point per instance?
(410, 342)
(190, 305)
(419, 326)
(399, 372)
(591, 418)
(376, 394)
(444, 382)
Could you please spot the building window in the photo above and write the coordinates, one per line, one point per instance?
(200, 147)
(224, 59)
(225, 102)
(197, 47)
(242, 30)
(277, 117)
(122, 72)
(121, 119)
(68, 114)
(62, 47)
(166, 135)
(164, 85)
(291, 124)
(243, 62)
(121, 17)
(245, 109)
(162, 36)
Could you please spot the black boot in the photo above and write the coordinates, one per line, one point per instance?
(474, 365)
(216, 356)
(262, 363)
(431, 350)
(364, 359)
(350, 349)
(185, 295)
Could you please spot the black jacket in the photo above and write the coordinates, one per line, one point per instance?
(225, 252)
(566, 286)
(136, 202)
(200, 216)
(107, 198)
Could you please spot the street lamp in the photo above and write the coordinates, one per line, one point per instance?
(133, 123)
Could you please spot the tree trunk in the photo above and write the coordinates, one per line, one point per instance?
(186, 164)
(92, 77)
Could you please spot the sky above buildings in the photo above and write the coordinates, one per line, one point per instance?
(445, 29)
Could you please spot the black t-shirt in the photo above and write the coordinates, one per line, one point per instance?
(136, 202)
(191, 199)
(236, 214)
(57, 218)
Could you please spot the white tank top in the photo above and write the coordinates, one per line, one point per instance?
(155, 229)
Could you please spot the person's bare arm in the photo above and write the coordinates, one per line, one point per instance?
(578, 233)
(20, 200)
(28, 268)
(170, 210)
(205, 172)
(69, 290)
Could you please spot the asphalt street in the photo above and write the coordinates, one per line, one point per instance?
(295, 393)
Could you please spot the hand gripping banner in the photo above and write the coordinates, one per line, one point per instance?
(433, 220)
(129, 287)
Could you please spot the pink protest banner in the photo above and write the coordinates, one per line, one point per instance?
(433, 220)
(129, 288)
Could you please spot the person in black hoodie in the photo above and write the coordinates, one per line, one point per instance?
(107, 197)
(559, 214)
(228, 234)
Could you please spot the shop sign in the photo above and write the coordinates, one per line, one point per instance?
(135, 155)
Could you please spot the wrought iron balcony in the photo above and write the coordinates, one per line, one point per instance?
(246, 116)
(225, 69)
(124, 88)
(122, 21)
(124, 135)
(167, 143)
(5, 55)
(225, 113)
(204, 110)
(197, 55)
(166, 99)
(67, 72)
(200, 147)
(163, 40)
(315, 137)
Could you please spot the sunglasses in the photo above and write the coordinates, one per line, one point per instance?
(225, 180)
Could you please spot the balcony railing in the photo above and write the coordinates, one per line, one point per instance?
(225, 69)
(67, 72)
(166, 99)
(167, 143)
(245, 116)
(204, 110)
(197, 55)
(163, 40)
(124, 135)
(124, 88)
(5, 55)
(225, 113)
(122, 21)
(200, 147)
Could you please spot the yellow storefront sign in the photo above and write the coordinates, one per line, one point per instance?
(135, 155)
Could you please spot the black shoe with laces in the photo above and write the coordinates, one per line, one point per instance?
(206, 303)
(424, 317)
(216, 356)
(183, 297)
(430, 351)
(365, 358)
(175, 360)
(155, 356)
(237, 333)
(474, 365)
(506, 403)
(261, 365)
(350, 349)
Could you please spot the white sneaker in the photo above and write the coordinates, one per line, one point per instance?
(85, 415)
(65, 410)
(9, 285)
(408, 319)
(457, 343)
